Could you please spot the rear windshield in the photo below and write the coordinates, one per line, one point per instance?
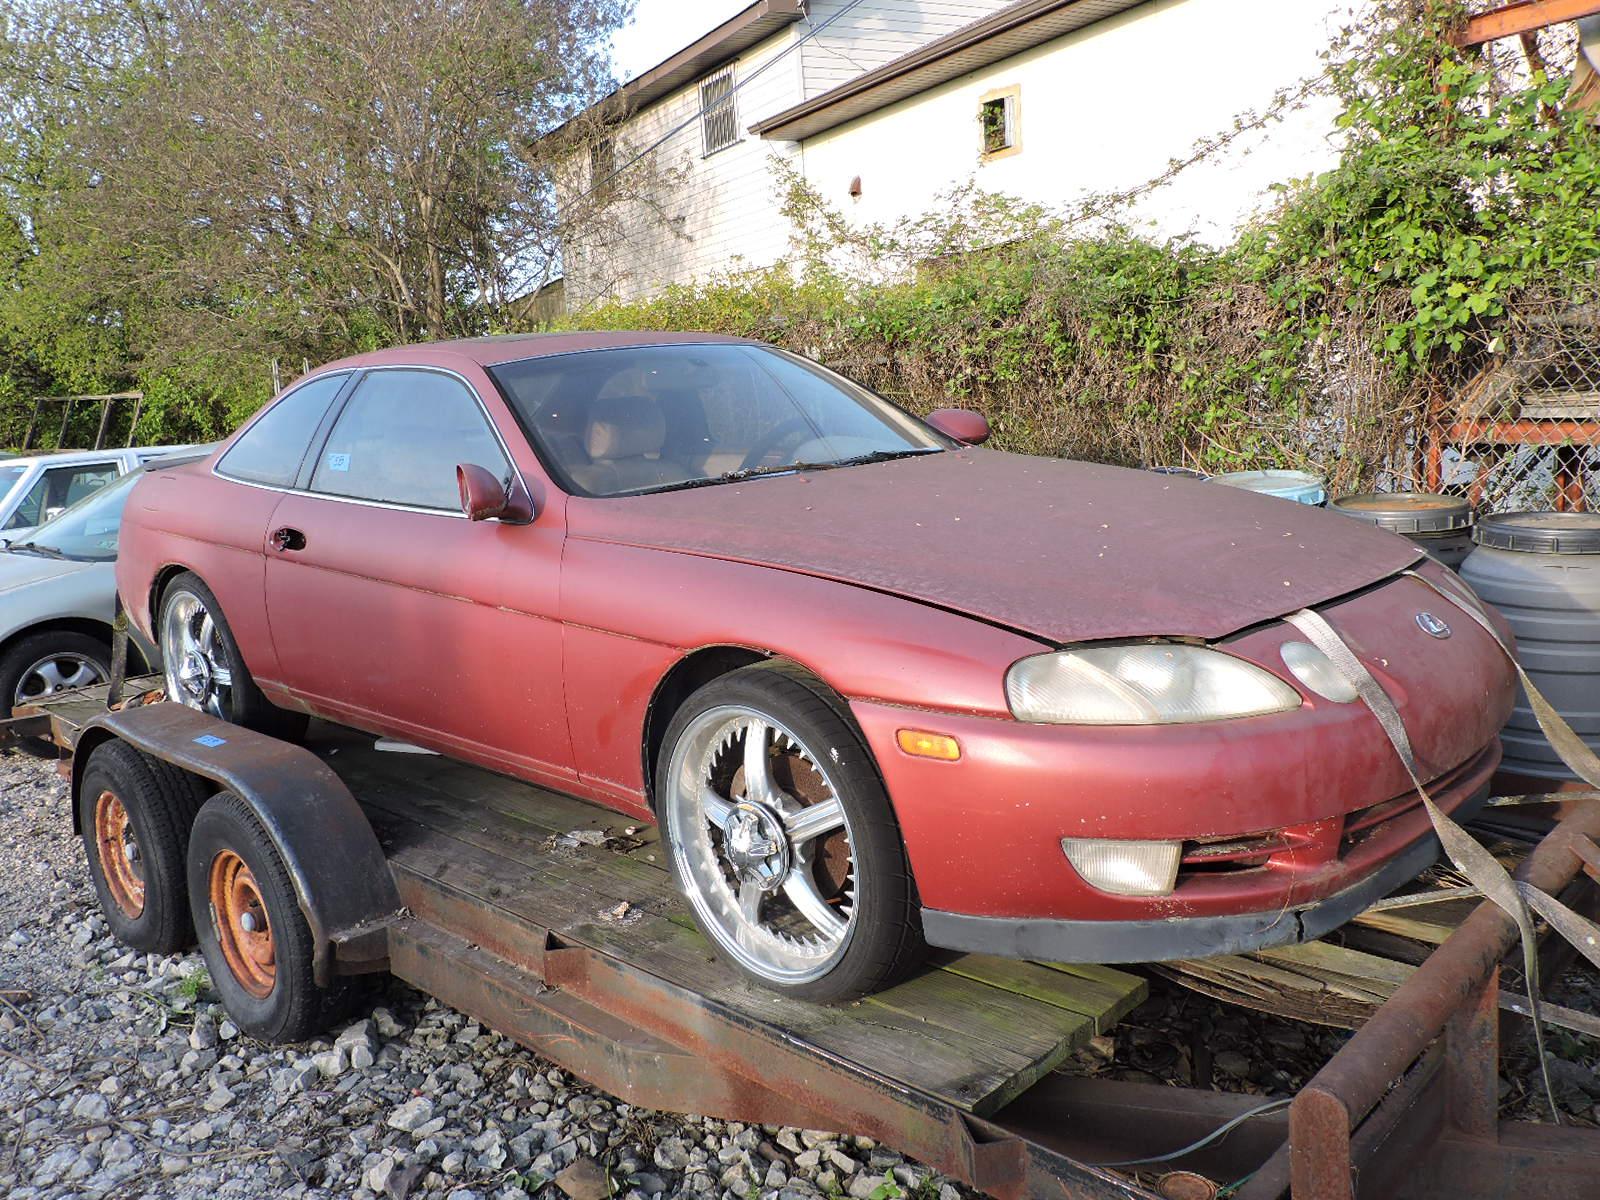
(648, 418)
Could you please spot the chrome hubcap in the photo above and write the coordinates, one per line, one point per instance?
(759, 836)
(757, 850)
(57, 673)
(196, 664)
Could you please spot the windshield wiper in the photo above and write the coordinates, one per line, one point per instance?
(792, 468)
(875, 456)
(35, 548)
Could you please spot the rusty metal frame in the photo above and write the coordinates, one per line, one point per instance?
(1522, 16)
(1406, 1109)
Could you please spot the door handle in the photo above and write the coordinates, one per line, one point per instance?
(288, 539)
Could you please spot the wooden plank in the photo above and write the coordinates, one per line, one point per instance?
(1105, 1000)
(1389, 921)
(879, 1040)
(1340, 961)
(1041, 1035)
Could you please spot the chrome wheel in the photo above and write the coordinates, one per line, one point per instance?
(57, 673)
(762, 843)
(193, 656)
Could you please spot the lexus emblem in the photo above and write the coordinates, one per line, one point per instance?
(1432, 625)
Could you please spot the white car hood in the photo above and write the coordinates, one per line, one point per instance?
(19, 570)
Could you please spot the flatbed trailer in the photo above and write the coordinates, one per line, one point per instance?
(553, 922)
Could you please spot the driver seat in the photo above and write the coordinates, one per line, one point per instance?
(623, 439)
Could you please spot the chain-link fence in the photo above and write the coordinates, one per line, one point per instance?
(1523, 431)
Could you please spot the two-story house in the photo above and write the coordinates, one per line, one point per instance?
(882, 105)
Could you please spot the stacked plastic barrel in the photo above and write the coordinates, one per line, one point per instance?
(1542, 571)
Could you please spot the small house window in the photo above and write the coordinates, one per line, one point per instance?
(999, 124)
(602, 163)
(719, 116)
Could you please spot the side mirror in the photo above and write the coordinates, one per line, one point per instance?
(961, 424)
(486, 497)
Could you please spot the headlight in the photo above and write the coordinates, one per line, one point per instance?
(1150, 684)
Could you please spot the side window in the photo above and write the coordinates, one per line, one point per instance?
(272, 449)
(59, 487)
(400, 437)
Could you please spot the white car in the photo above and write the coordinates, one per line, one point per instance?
(58, 594)
(36, 487)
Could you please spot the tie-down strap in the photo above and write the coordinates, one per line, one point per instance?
(1480, 867)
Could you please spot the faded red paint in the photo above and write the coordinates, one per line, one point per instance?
(910, 587)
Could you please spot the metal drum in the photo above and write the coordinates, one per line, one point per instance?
(1542, 570)
(1300, 486)
(1441, 525)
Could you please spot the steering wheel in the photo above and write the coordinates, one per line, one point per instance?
(774, 438)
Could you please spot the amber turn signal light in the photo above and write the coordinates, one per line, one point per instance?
(922, 744)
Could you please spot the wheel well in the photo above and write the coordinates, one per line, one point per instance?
(698, 668)
(159, 585)
(690, 673)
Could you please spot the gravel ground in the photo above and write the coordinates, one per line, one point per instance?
(120, 1076)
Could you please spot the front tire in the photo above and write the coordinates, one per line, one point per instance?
(202, 665)
(255, 939)
(781, 837)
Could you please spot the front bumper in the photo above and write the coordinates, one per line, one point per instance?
(1180, 937)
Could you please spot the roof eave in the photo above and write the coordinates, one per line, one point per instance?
(1010, 31)
(727, 41)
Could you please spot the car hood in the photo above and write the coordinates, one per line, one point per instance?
(19, 570)
(1066, 551)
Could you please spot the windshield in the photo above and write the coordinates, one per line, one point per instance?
(88, 530)
(649, 418)
(9, 477)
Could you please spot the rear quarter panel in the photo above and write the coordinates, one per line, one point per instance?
(186, 517)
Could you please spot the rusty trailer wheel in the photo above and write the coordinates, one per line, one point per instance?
(119, 854)
(134, 813)
(251, 929)
(244, 932)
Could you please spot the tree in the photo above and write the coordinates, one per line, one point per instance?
(196, 186)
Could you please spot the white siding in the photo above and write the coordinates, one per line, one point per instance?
(876, 32)
(720, 212)
(1101, 110)
(1106, 109)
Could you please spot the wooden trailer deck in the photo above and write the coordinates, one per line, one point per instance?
(973, 1031)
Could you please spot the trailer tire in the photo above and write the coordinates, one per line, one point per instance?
(135, 813)
(257, 944)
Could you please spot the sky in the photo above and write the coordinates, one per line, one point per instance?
(660, 28)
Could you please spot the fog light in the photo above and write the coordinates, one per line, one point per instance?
(1125, 868)
(1316, 670)
(922, 744)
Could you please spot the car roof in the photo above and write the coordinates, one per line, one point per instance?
(514, 347)
(67, 457)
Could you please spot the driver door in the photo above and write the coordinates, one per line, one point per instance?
(391, 611)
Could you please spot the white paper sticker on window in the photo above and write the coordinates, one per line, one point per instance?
(338, 462)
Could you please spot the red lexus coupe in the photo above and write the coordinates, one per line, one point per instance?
(880, 688)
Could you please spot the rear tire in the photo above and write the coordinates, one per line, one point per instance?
(135, 813)
(801, 881)
(255, 939)
(203, 667)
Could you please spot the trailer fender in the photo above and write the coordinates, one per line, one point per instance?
(341, 877)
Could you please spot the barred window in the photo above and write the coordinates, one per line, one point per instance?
(602, 163)
(719, 114)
